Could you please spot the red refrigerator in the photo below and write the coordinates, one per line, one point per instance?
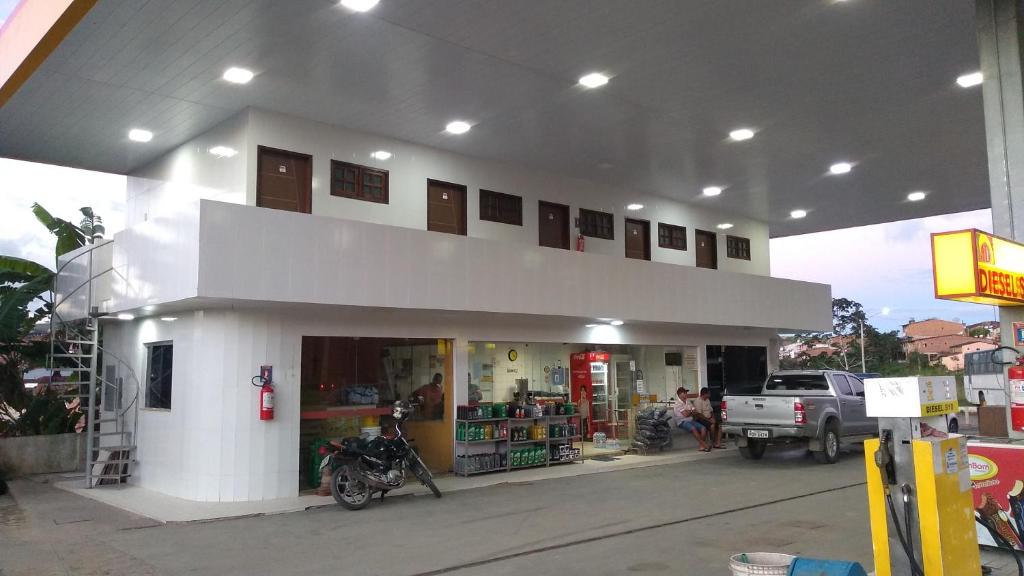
(590, 374)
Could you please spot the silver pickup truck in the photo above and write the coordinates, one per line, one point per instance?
(814, 406)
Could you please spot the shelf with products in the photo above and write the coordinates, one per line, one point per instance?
(510, 441)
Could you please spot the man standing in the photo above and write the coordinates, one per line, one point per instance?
(684, 411)
(705, 415)
(431, 397)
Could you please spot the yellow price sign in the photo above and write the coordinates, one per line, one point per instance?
(975, 266)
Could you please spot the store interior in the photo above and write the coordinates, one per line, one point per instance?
(581, 400)
(348, 385)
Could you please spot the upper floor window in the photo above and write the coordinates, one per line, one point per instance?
(499, 207)
(359, 182)
(159, 362)
(736, 247)
(670, 236)
(597, 224)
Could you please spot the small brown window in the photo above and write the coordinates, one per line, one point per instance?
(670, 236)
(736, 247)
(498, 207)
(597, 224)
(359, 182)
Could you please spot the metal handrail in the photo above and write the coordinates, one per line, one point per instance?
(120, 361)
(57, 322)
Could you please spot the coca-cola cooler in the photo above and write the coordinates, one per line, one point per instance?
(590, 374)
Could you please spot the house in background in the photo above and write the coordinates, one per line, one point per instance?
(954, 362)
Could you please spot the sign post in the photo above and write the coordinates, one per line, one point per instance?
(981, 268)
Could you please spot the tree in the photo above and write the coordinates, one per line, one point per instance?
(980, 332)
(26, 298)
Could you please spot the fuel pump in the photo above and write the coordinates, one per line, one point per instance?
(919, 483)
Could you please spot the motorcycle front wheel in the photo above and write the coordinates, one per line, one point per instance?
(348, 490)
(422, 474)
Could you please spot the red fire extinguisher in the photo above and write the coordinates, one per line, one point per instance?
(265, 382)
(1016, 377)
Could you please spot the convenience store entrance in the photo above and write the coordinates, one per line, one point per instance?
(349, 384)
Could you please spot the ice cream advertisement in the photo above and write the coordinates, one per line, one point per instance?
(997, 479)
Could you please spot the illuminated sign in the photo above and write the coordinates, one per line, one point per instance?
(975, 266)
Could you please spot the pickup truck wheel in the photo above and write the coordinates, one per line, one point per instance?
(754, 449)
(829, 454)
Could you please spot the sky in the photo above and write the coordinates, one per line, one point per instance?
(880, 266)
(62, 191)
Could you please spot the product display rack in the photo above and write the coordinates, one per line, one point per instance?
(545, 420)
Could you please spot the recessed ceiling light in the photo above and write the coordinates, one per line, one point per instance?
(616, 322)
(724, 226)
(458, 127)
(381, 155)
(594, 80)
(712, 191)
(139, 135)
(223, 151)
(970, 80)
(798, 213)
(237, 75)
(359, 5)
(635, 207)
(149, 308)
(840, 168)
(741, 134)
(591, 325)
(916, 196)
(123, 316)
(168, 318)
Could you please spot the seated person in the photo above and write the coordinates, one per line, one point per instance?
(683, 409)
(705, 415)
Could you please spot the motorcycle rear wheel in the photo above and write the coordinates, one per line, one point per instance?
(422, 474)
(351, 493)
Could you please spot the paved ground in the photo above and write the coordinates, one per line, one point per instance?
(673, 519)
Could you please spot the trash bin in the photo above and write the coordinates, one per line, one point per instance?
(813, 567)
(760, 564)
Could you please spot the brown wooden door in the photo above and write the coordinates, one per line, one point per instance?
(554, 225)
(446, 207)
(707, 249)
(284, 180)
(638, 239)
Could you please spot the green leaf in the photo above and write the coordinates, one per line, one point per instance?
(69, 236)
(22, 266)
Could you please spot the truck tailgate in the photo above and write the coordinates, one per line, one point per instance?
(760, 410)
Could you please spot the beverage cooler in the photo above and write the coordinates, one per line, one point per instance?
(590, 372)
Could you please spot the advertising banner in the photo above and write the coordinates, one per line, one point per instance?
(997, 479)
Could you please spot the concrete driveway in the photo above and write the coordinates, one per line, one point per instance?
(674, 519)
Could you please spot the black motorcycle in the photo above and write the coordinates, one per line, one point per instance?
(362, 468)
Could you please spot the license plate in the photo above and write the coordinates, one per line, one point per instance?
(757, 433)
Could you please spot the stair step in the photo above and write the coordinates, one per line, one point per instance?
(129, 461)
(70, 355)
(121, 433)
(124, 447)
(110, 476)
(73, 369)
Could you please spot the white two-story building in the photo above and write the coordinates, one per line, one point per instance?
(295, 200)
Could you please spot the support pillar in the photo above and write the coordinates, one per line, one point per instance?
(999, 24)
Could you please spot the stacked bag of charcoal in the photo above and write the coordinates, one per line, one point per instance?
(653, 429)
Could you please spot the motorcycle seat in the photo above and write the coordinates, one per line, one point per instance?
(354, 445)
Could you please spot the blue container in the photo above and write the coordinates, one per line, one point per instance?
(812, 567)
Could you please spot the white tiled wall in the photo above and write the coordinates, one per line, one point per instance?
(257, 254)
(192, 172)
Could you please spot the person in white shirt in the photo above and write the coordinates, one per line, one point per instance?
(684, 410)
(705, 415)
